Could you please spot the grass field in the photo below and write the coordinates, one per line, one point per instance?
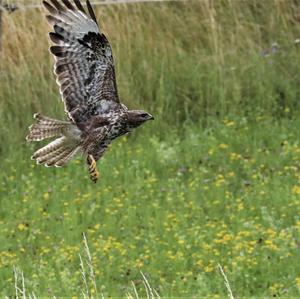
(214, 180)
(173, 207)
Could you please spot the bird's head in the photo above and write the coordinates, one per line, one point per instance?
(137, 117)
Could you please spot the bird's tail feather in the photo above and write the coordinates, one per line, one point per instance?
(46, 127)
(57, 153)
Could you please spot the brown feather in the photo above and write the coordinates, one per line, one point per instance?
(85, 75)
(50, 155)
(61, 68)
(56, 37)
(66, 158)
(45, 127)
(57, 5)
(58, 51)
(91, 11)
(68, 4)
(65, 85)
(64, 152)
(52, 20)
(50, 8)
(79, 6)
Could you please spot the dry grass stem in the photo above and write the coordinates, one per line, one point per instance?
(230, 295)
(90, 264)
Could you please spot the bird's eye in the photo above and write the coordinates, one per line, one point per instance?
(144, 115)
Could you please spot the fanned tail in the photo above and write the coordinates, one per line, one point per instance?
(57, 153)
(46, 127)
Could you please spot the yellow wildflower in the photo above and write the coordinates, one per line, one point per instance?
(223, 146)
(296, 190)
(22, 227)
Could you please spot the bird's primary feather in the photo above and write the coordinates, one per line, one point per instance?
(84, 63)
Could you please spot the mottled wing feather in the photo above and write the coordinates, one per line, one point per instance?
(84, 63)
(79, 6)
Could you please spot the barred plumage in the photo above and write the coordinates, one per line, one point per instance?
(85, 73)
(46, 127)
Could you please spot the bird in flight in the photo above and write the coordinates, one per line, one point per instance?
(85, 73)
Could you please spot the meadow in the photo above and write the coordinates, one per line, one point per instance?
(214, 180)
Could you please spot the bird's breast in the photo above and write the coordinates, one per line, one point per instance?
(116, 130)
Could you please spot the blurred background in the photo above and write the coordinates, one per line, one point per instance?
(214, 180)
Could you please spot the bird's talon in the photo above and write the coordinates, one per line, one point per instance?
(94, 174)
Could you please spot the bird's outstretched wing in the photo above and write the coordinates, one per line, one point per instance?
(84, 63)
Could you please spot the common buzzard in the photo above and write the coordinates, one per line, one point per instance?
(85, 74)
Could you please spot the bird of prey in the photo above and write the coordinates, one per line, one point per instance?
(85, 73)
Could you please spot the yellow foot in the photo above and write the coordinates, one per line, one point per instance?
(94, 174)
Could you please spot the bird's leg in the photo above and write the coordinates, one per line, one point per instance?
(94, 174)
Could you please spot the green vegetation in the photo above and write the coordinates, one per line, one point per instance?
(214, 180)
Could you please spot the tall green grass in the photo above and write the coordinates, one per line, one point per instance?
(173, 207)
(182, 61)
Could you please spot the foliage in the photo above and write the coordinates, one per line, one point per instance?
(214, 180)
(172, 207)
(182, 61)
